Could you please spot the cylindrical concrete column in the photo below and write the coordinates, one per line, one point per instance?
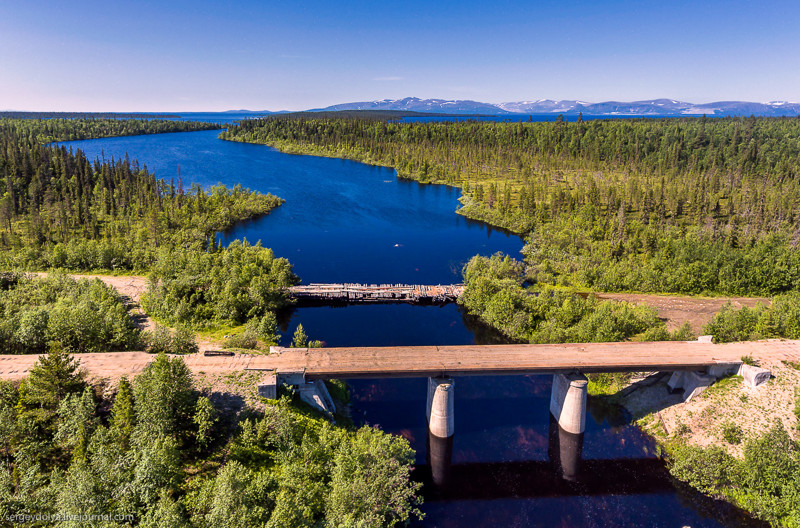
(441, 399)
(568, 401)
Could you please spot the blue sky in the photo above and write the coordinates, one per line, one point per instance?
(215, 55)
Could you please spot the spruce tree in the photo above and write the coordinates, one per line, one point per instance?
(123, 414)
(54, 376)
(300, 339)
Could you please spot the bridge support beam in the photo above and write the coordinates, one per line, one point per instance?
(568, 401)
(441, 399)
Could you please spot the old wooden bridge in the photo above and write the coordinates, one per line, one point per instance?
(378, 293)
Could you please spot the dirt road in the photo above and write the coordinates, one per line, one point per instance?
(676, 310)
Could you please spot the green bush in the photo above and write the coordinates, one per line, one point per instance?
(82, 315)
(163, 340)
(766, 482)
(494, 292)
(780, 319)
(708, 469)
(732, 433)
(228, 287)
(246, 340)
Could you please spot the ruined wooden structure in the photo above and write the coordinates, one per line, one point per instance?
(377, 293)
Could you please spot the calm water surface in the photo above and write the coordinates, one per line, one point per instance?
(346, 221)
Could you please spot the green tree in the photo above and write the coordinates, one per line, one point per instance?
(266, 328)
(123, 413)
(54, 376)
(77, 422)
(166, 513)
(8, 417)
(370, 485)
(300, 339)
(241, 498)
(164, 398)
(205, 417)
(158, 469)
(79, 493)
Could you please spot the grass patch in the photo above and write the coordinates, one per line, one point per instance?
(732, 433)
(793, 364)
(607, 383)
(219, 332)
(723, 386)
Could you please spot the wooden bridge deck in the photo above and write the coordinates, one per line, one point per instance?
(415, 361)
(378, 292)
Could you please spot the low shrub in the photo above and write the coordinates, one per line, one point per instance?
(162, 339)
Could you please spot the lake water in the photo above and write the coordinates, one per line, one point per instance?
(346, 221)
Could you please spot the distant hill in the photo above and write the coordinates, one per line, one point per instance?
(378, 115)
(414, 104)
(652, 107)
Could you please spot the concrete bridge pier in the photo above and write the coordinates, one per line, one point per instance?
(441, 399)
(568, 401)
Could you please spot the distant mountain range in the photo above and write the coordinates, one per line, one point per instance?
(654, 107)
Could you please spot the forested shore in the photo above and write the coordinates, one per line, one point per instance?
(689, 205)
(166, 448)
(60, 210)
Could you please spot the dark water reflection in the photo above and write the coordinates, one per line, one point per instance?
(388, 325)
(509, 464)
(506, 465)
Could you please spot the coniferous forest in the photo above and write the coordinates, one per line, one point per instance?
(158, 451)
(690, 205)
(163, 449)
(61, 210)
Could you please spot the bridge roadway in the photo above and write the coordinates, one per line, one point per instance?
(465, 360)
(436, 361)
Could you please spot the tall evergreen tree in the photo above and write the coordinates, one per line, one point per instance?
(123, 415)
(54, 376)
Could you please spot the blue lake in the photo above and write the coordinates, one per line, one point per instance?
(346, 221)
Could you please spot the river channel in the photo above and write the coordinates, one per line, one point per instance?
(347, 221)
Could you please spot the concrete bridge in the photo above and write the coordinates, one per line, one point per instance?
(695, 365)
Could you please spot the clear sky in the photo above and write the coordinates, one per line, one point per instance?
(116, 55)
